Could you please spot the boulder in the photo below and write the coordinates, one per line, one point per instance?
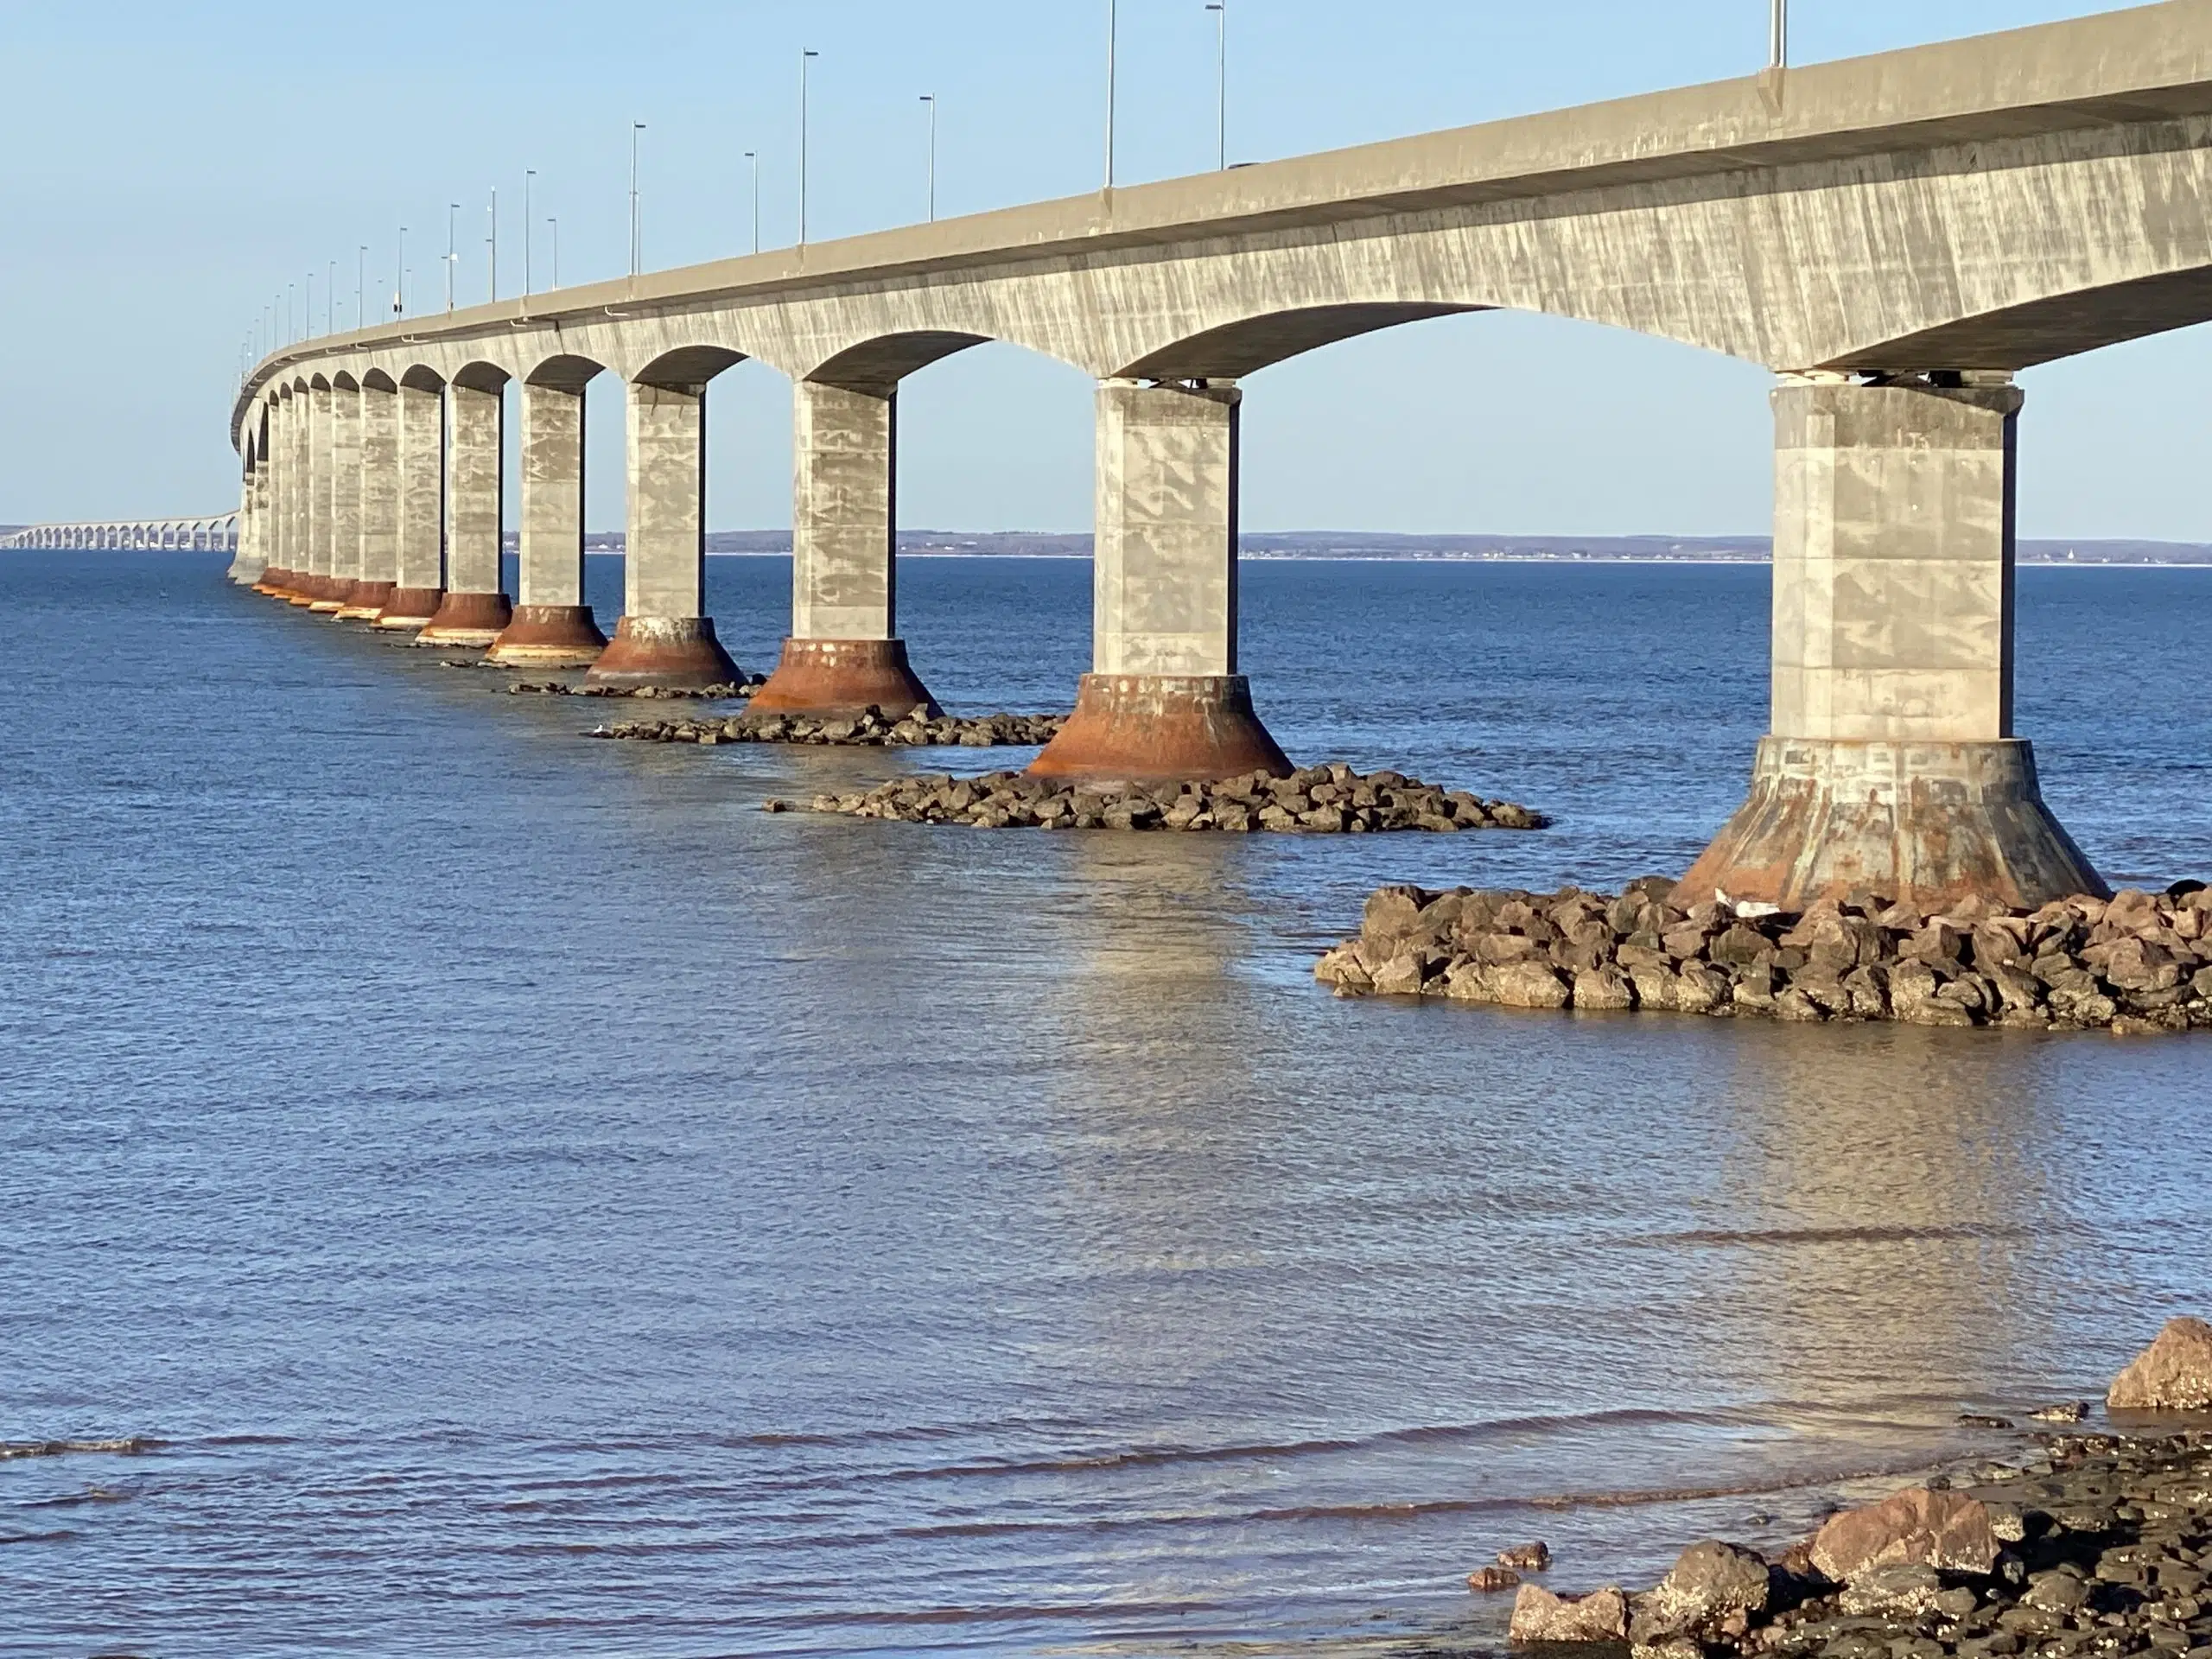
(1712, 1585)
(1488, 1580)
(1529, 1558)
(1906, 1589)
(1528, 985)
(1539, 1615)
(1945, 1530)
(2173, 1374)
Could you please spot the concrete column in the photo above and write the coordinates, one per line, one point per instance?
(379, 491)
(552, 626)
(664, 637)
(1891, 763)
(476, 607)
(322, 479)
(345, 498)
(299, 501)
(418, 584)
(1164, 700)
(247, 562)
(843, 655)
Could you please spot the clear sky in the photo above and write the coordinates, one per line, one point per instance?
(170, 167)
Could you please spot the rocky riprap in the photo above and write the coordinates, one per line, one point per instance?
(1319, 800)
(2099, 1546)
(2137, 963)
(725, 692)
(871, 730)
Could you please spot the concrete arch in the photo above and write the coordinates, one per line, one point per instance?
(564, 372)
(378, 380)
(1231, 351)
(2042, 331)
(875, 367)
(343, 381)
(420, 377)
(479, 374)
(686, 368)
(318, 382)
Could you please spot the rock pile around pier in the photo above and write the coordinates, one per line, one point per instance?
(870, 729)
(2099, 1546)
(1319, 800)
(725, 693)
(2139, 962)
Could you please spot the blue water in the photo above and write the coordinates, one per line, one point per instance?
(541, 1205)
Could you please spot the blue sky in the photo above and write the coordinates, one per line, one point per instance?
(173, 166)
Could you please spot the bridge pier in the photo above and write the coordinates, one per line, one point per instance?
(324, 596)
(475, 607)
(664, 637)
(418, 581)
(379, 506)
(552, 626)
(1164, 700)
(1891, 763)
(292, 474)
(345, 500)
(843, 654)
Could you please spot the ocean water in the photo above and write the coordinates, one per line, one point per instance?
(529, 1201)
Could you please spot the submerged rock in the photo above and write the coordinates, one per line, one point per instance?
(1541, 1616)
(871, 730)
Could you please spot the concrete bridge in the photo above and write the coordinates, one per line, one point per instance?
(217, 532)
(1895, 236)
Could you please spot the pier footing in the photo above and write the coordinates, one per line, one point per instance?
(549, 636)
(1162, 727)
(468, 619)
(840, 678)
(679, 653)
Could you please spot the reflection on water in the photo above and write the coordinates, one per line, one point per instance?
(541, 1201)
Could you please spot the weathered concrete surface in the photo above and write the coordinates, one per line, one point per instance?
(323, 491)
(552, 628)
(379, 493)
(475, 608)
(840, 678)
(1929, 822)
(663, 637)
(419, 580)
(1891, 765)
(843, 655)
(345, 495)
(1164, 700)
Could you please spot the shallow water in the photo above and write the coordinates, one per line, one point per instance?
(542, 1204)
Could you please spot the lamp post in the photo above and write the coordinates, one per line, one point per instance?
(492, 241)
(930, 98)
(753, 157)
(361, 286)
(452, 259)
(290, 333)
(399, 286)
(1112, 39)
(330, 299)
(1220, 9)
(637, 238)
(1778, 50)
(528, 174)
(555, 224)
(806, 55)
(307, 308)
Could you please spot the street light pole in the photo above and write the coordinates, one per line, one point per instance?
(637, 238)
(1220, 9)
(806, 56)
(330, 299)
(753, 156)
(493, 241)
(399, 286)
(1113, 42)
(1778, 37)
(361, 286)
(528, 174)
(452, 259)
(307, 309)
(930, 98)
(555, 224)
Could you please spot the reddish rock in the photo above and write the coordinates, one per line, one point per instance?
(1541, 1616)
(1944, 1530)
(2173, 1374)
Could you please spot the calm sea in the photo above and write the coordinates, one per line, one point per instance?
(539, 1203)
